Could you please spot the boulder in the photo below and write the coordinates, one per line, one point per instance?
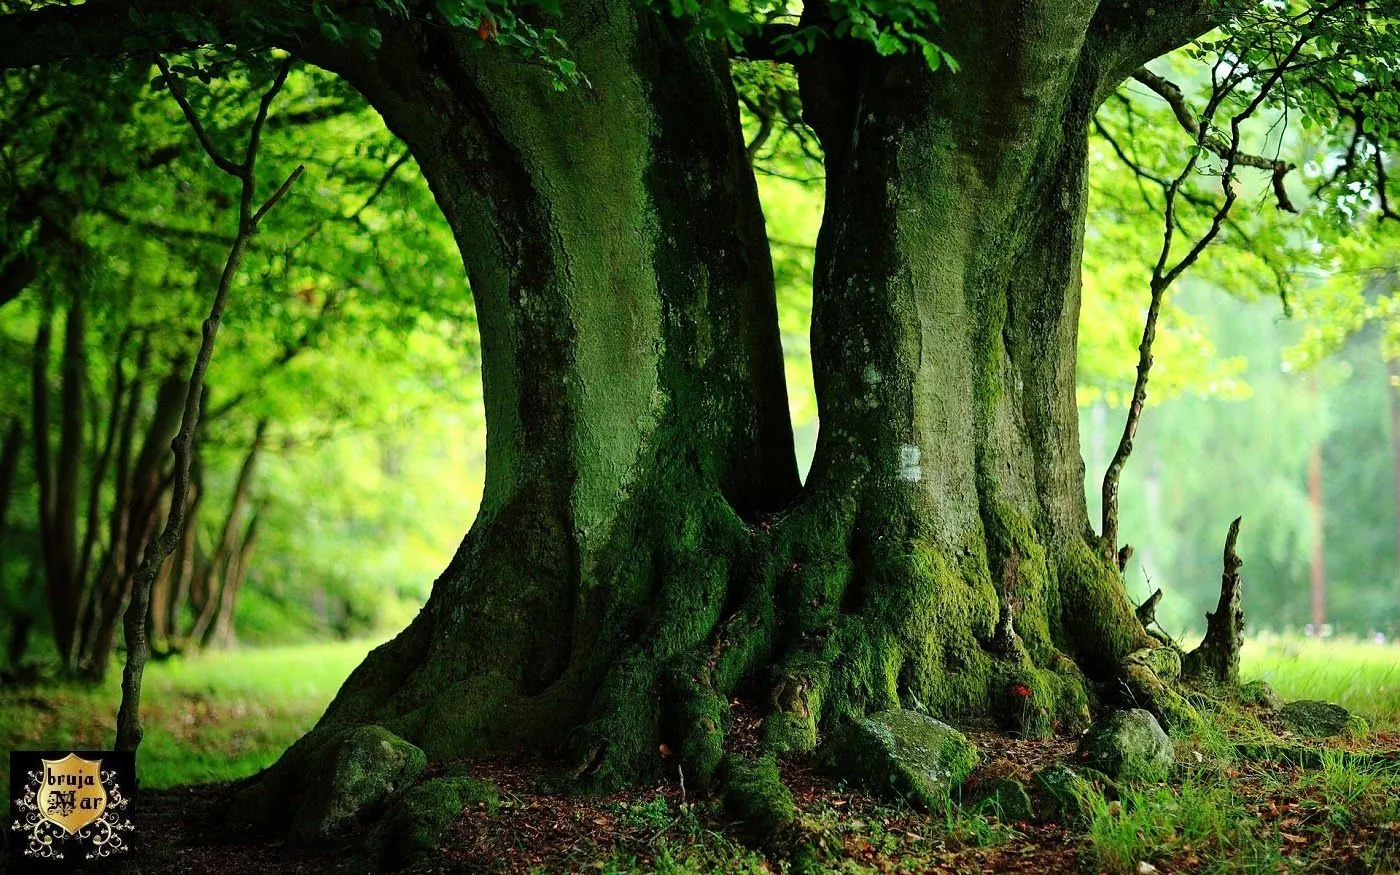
(1312, 719)
(902, 754)
(1128, 746)
(1067, 796)
(354, 771)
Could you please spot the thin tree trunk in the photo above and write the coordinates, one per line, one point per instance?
(1392, 392)
(129, 714)
(1318, 568)
(145, 494)
(225, 553)
(9, 466)
(222, 633)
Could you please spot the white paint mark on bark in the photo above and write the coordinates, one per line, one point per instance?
(909, 470)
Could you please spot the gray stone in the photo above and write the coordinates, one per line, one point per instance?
(1312, 719)
(1128, 746)
(902, 754)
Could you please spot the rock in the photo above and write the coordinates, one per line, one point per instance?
(1260, 695)
(902, 754)
(1128, 746)
(1007, 799)
(1068, 797)
(414, 827)
(352, 772)
(1312, 719)
(1165, 662)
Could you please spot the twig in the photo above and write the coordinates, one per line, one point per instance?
(134, 621)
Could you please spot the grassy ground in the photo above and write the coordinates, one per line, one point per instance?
(215, 717)
(225, 715)
(1358, 675)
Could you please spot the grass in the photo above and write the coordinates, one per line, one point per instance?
(1361, 676)
(212, 717)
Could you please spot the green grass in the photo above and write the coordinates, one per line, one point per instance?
(1358, 675)
(212, 717)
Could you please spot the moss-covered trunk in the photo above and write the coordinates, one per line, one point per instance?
(635, 404)
(942, 557)
(643, 554)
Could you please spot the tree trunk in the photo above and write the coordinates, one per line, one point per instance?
(147, 490)
(633, 387)
(221, 633)
(223, 564)
(641, 554)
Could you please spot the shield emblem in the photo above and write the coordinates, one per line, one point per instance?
(71, 794)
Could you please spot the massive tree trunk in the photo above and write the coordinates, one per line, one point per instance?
(943, 555)
(643, 553)
(636, 414)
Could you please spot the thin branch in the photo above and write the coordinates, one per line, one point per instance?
(1164, 276)
(134, 622)
(1169, 92)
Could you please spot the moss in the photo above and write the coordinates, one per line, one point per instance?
(1165, 661)
(1096, 621)
(701, 715)
(1007, 799)
(1128, 746)
(350, 774)
(754, 794)
(414, 827)
(1312, 719)
(903, 755)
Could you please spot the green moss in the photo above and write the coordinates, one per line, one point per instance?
(1096, 621)
(351, 773)
(754, 794)
(901, 754)
(414, 827)
(701, 715)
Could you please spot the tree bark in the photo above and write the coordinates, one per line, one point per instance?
(147, 489)
(642, 554)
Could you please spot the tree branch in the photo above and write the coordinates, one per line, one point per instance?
(1169, 92)
(134, 622)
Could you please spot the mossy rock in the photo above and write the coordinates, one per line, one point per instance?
(903, 755)
(355, 771)
(1165, 662)
(754, 794)
(1312, 719)
(1066, 796)
(1007, 799)
(1260, 695)
(1128, 746)
(415, 825)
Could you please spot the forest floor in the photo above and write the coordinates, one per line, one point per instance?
(220, 716)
